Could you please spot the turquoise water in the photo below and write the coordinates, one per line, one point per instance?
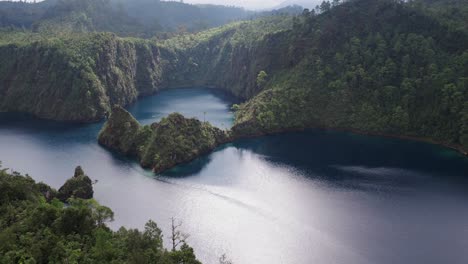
(308, 197)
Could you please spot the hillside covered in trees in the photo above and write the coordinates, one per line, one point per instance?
(41, 225)
(138, 18)
(376, 66)
(387, 67)
(382, 67)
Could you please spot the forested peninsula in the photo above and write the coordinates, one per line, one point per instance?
(162, 145)
(379, 67)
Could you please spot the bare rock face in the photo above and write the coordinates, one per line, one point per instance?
(160, 146)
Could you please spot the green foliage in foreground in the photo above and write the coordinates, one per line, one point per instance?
(35, 230)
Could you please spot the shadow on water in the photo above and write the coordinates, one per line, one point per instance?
(359, 161)
(189, 169)
(338, 158)
(346, 160)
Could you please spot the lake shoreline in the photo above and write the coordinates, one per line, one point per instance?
(456, 147)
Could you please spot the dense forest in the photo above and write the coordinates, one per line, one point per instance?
(139, 18)
(384, 67)
(41, 225)
(376, 66)
(172, 141)
(387, 67)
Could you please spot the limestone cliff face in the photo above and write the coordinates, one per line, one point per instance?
(76, 79)
(226, 65)
(160, 146)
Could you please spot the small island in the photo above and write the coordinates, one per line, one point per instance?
(162, 145)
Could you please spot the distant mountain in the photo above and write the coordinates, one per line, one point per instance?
(304, 3)
(139, 18)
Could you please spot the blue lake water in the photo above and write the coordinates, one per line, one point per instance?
(305, 197)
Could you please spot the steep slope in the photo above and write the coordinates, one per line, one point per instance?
(376, 66)
(229, 57)
(77, 77)
(381, 67)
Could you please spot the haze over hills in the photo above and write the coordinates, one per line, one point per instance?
(310, 4)
(247, 4)
(136, 18)
(142, 18)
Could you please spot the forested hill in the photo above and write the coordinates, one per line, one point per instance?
(382, 67)
(139, 18)
(376, 66)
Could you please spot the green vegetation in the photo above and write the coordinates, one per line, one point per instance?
(261, 79)
(80, 186)
(228, 57)
(74, 77)
(136, 18)
(376, 66)
(36, 228)
(384, 67)
(160, 146)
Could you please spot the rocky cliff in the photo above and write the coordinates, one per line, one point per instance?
(397, 69)
(76, 78)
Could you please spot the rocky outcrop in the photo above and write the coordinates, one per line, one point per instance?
(160, 146)
(120, 132)
(80, 186)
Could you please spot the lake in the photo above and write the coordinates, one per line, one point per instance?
(305, 197)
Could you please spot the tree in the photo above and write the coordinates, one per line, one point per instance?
(185, 255)
(102, 214)
(177, 236)
(224, 260)
(153, 233)
(335, 2)
(34, 230)
(235, 107)
(325, 6)
(261, 79)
